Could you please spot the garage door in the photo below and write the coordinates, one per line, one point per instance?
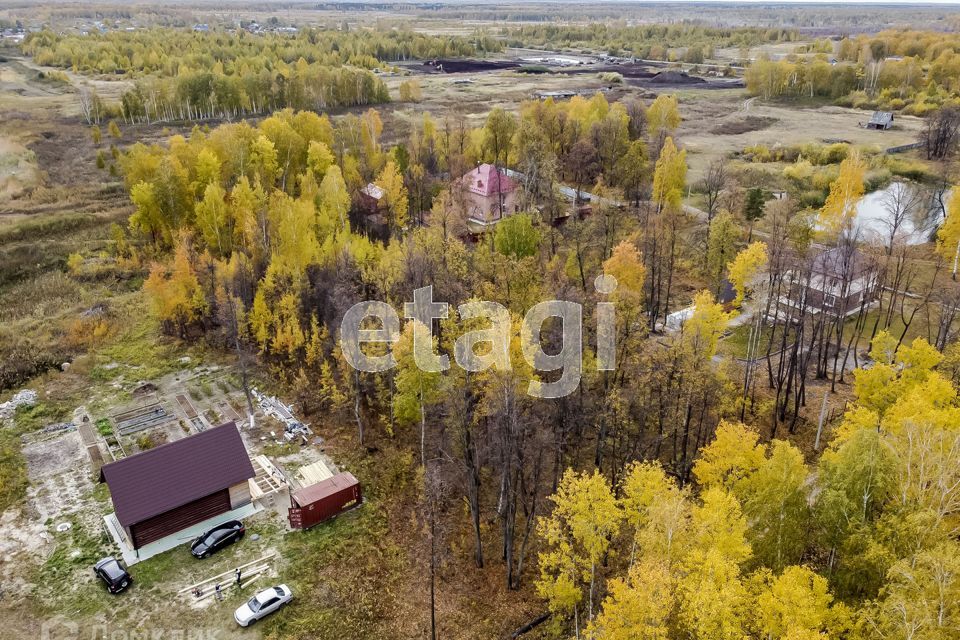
(160, 526)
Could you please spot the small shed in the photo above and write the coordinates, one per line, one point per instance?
(318, 502)
(881, 120)
(556, 95)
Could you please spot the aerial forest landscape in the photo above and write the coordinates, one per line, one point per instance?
(500, 320)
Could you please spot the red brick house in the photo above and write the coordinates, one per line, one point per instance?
(489, 195)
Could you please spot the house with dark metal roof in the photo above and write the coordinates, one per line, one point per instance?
(881, 120)
(838, 282)
(163, 490)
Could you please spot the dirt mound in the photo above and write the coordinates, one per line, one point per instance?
(626, 70)
(675, 77)
(469, 66)
(736, 127)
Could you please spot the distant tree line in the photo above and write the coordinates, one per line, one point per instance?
(649, 41)
(914, 71)
(187, 75)
(200, 94)
(166, 52)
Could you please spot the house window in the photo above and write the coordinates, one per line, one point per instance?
(829, 300)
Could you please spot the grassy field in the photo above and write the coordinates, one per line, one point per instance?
(716, 122)
(18, 167)
(448, 95)
(706, 114)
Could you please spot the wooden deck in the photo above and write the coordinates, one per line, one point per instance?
(89, 438)
(313, 473)
(269, 478)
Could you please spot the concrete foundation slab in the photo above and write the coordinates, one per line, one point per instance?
(132, 556)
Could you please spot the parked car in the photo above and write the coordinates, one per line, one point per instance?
(263, 604)
(217, 538)
(113, 574)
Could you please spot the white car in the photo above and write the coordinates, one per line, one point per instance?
(263, 604)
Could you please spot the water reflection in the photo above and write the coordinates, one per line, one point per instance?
(903, 212)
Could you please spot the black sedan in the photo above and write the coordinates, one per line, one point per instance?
(217, 538)
(113, 574)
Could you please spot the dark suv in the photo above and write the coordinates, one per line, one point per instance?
(217, 538)
(113, 574)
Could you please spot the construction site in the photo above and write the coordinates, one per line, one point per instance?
(138, 482)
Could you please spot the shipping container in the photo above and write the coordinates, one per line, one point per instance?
(318, 502)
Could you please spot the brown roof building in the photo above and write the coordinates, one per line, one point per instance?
(176, 485)
(840, 280)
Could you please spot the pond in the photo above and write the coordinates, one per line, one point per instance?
(911, 208)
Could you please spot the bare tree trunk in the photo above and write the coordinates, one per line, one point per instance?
(356, 406)
(433, 576)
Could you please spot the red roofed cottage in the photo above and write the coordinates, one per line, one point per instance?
(489, 194)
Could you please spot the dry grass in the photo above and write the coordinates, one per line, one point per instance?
(788, 126)
(47, 157)
(473, 100)
(18, 166)
(54, 202)
(772, 49)
(735, 127)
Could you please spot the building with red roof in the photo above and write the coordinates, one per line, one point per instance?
(489, 195)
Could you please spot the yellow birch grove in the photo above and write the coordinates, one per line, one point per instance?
(637, 608)
(685, 574)
(722, 559)
(626, 265)
(669, 176)
(745, 267)
(578, 533)
(845, 193)
(319, 157)
(175, 294)
(395, 194)
(948, 236)
(703, 329)
(663, 115)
